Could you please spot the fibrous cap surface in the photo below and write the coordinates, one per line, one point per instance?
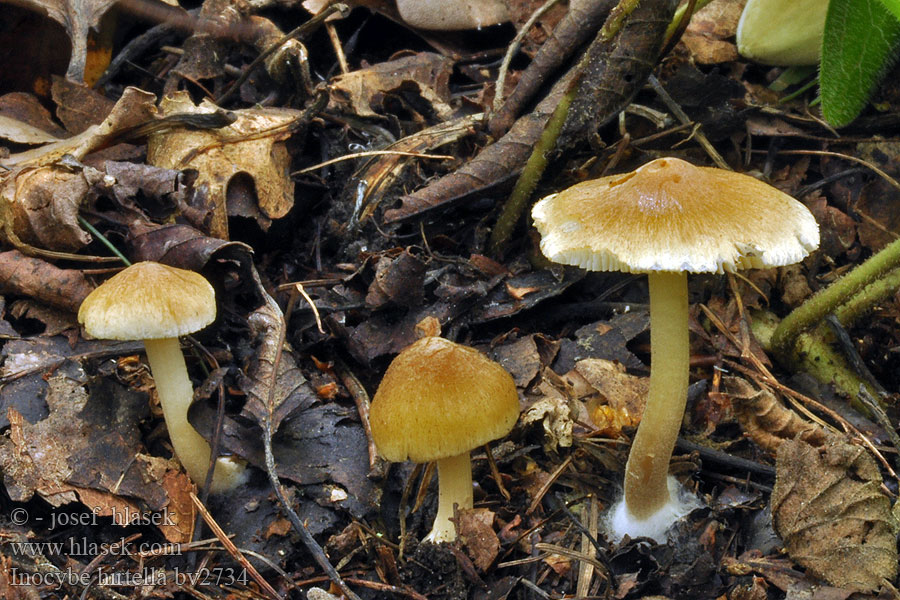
(148, 300)
(670, 215)
(439, 399)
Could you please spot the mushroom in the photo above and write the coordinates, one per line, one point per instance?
(437, 401)
(775, 32)
(666, 219)
(156, 303)
(452, 15)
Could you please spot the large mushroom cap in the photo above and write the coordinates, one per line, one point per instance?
(670, 215)
(440, 399)
(148, 301)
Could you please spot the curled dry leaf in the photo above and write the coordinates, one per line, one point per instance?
(828, 507)
(362, 90)
(766, 420)
(553, 411)
(77, 17)
(132, 109)
(252, 146)
(615, 399)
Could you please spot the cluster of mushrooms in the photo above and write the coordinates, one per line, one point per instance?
(438, 399)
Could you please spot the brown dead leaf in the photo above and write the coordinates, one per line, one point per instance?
(180, 511)
(78, 17)
(828, 507)
(399, 281)
(362, 91)
(41, 207)
(34, 278)
(476, 531)
(710, 34)
(133, 108)
(520, 358)
(249, 152)
(23, 133)
(878, 200)
(617, 399)
(765, 419)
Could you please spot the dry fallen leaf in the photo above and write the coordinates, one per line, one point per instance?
(616, 399)
(828, 507)
(77, 16)
(363, 89)
(251, 147)
(476, 531)
(710, 34)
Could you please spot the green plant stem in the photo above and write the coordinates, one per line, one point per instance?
(531, 175)
(537, 163)
(829, 299)
(93, 230)
(814, 354)
(865, 300)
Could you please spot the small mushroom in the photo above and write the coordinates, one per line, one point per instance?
(666, 219)
(452, 15)
(776, 32)
(156, 303)
(437, 401)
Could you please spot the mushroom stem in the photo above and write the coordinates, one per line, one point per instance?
(175, 395)
(646, 488)
(454, 487)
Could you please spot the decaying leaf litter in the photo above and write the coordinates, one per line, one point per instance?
(341, 200)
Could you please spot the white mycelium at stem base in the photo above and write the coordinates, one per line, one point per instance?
(668, 218)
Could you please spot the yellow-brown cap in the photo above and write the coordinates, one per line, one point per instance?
(670, 215)
(440, 399)
(146, 301)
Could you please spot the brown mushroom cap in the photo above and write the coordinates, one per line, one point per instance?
(440, 399)
(148, 301)
(670, 215)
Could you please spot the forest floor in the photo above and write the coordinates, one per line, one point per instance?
(341, 195)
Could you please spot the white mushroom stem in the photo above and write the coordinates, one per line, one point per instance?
(454, 488)
(646, 488)
(175, 394)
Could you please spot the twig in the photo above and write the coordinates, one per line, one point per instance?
(232, 549)
(684, 119)
(308, 540)
(361, 399)
(513, 49)
(298, 32)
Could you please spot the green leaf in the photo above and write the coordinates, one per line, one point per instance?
(859, 45)
(893, 6)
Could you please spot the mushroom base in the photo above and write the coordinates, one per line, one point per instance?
(175, 395)
(454, 488)
(620, 522)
